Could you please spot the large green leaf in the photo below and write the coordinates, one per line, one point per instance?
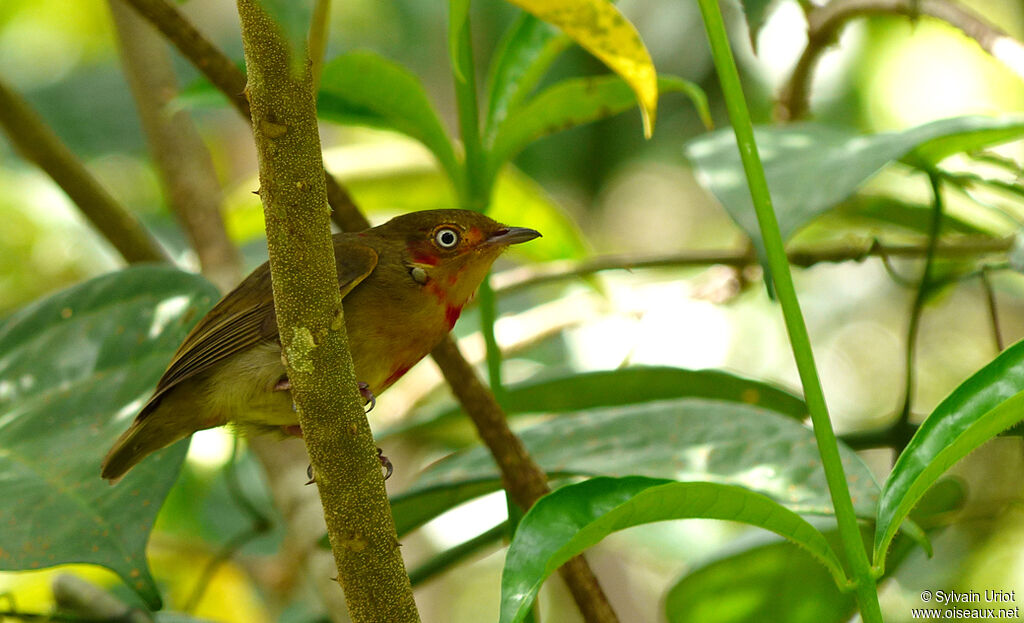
(608, 388)
(364, 88)
(598, 27)
(574, 102)
(564, 523)
(812, 167)
(771, 575)
(520, 61)
(685, 439)
(74, 369)
(984, 405)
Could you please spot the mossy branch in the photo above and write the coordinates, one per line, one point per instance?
(38, 144)
(311, 323)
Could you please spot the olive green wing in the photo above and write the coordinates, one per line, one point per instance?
(245, 317)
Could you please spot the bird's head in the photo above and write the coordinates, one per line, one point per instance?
(450, 251)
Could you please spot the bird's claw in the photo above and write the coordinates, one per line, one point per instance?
(364, 391)
(385, 462)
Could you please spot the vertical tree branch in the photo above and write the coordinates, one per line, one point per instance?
(182, 160)
(37, 143)
(312, 328)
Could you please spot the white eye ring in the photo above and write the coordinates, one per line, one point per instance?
(446, 238)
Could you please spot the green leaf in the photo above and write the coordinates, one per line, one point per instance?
(566, 522)
(980, 408)
(685, 439)
(609, 388)
(520, 61)
(74, 370)
(574, 102)
(458, 15)
(768, 575)
(912, 216)
(601, 30)
(757, 12)
(364, 88)
(797, 155)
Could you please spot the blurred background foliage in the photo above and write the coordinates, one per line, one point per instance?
(593, 190)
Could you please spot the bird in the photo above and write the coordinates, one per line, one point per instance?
(403, 285)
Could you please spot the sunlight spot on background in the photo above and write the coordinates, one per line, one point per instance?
(782, 40)
(31, 61)
(211, 448)
(467, 520)
(935, 72)
(678, 331)
(166, 312)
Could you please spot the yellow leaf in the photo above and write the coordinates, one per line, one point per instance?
(600, 29)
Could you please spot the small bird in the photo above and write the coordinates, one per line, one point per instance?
(403, 285)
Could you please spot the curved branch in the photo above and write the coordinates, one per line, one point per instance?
(38, 143)
(530, 276)
(826, 22)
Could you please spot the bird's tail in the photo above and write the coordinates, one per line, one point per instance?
(145, 436)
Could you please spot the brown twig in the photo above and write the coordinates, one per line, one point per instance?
(182, 160)
(531, 276)
(826, 22)
(37, 143)
(310, 318)
(229, 80)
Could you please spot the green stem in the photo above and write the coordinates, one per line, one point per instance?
(458, 554)
(476, 190)
(725, 65)
(488, 316)
(904, 430)
(474, 194)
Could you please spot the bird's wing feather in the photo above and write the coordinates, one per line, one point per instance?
(235, 324)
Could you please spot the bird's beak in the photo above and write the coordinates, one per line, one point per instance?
(512, 235)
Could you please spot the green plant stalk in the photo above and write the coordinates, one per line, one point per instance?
(475, 193)
(725, 65)
(903, 430)
(457, 555)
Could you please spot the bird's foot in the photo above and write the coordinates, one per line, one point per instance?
(284, 385)
(385, 463)
(364, 391)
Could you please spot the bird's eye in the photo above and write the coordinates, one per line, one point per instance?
(446, 238)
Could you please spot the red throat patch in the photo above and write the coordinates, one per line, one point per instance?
(451, 314)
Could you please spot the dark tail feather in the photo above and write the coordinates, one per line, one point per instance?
(139, 441)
